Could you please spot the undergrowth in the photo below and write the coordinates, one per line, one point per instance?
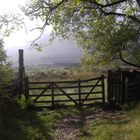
(19, 123)
(122, 126)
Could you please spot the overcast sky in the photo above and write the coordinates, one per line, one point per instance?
(21, 37)
(10, 5)
(66, 50)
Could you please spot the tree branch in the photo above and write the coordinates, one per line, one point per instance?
(138, 2)
(42, 31)
(105, 5)
(125, 61)
(58, 4)
(51, 9)
(32, 12)
(101, 8)
(121, 15)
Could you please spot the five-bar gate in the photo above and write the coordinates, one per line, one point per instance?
(65, 93)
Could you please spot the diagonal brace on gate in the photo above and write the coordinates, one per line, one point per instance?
(66, 94)
(91, 90)
(41, 93)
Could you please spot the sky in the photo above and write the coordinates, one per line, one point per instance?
(11, 5)
(7, 6)
(24, 36)
(22, 39)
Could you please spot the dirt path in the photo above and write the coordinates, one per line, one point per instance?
(73, 126)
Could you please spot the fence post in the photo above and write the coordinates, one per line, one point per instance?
(26, 88)
(21, 72)
(52, 88)
(103, 88)
(126, 89)
(108, 86)
(121, 87)
(79, 91)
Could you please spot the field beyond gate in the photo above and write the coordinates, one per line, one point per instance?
(65, 93)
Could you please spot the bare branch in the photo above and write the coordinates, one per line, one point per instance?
(121, 15)
(106, 5)
(101, 7)
(42, 31)
(35, 10)
(58, 4)
(138, 2)
(37, 28)
(51, 9)
(125, 61)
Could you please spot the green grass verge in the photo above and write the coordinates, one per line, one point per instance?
(18, 123)
(119, 127)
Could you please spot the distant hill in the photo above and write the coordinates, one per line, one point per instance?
(58, 53)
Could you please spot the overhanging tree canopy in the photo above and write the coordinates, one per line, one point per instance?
(107, 29)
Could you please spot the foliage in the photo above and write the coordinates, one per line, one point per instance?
(2, 53)
(5, 67)
(107, 30)
(24, 103)
(23, 125)
(9, 23)
(6, 75)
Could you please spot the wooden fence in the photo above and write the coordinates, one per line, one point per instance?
(65, 93)
(123, 86)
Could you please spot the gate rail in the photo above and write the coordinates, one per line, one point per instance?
(52, 94)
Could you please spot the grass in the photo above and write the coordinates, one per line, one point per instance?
(124, 126)
(92, 123)
(23, 125)
(64, 74)
(19, 123)
(54, 74)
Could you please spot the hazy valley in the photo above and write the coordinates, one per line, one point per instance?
(59, 53)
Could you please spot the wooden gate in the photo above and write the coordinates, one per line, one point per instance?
(65, 93)
(123, 86)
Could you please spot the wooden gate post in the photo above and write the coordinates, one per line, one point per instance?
(126, 89)
(103, 88)
(26, 88)
(52, 90)
(109, 86)
(79, 91)
(21, 72)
